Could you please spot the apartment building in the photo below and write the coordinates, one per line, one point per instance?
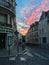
(32, 35)
(43, 29)
(7, 23)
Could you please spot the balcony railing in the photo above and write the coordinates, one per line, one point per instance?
(5, 24)
(7, 4)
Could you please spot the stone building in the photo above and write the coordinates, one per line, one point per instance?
(7, 23)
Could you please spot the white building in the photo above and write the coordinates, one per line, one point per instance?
(43, 29)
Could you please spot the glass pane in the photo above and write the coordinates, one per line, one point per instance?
(2, 18)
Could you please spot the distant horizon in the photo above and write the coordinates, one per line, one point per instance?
(29, 11)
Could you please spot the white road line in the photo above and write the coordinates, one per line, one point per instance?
(46, 55)
(42, 57)
(29, 54)
(23, 51)
(22, 59)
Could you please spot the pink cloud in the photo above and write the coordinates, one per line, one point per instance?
(37, 12)
(35, 15)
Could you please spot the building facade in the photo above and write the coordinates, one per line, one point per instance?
(43, 29)
(35, 33)
(32, 35)
(7, 22)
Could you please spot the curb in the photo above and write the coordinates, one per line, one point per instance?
(8, 56)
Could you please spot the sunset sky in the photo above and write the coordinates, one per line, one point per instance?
(29, 11)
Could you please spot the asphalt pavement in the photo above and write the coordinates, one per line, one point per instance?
(31, 56)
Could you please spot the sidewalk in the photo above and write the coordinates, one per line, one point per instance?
(46, 47)
(13, 51)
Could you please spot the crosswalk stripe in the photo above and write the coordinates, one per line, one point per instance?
(22, 59)
(45, 54)
(29, 54)
(37, 54)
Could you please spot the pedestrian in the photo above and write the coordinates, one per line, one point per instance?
(23, 44)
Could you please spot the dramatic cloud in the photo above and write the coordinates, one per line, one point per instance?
(30, 12)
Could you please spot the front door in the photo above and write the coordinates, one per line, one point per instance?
(2, 40)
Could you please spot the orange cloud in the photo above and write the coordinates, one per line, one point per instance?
(35, 14)
(23, 31)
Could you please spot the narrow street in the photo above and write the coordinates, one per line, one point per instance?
(32, 56)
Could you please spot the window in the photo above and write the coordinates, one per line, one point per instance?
(44, 39)
(36, 39)
(40, 40)
(48, 20)
(9, 40)
(11, 20)
(3, 18)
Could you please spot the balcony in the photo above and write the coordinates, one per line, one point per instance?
(8, 5)
(5, 24)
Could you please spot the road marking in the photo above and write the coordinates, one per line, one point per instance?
(22, 51)
(46, 55)
(41, 56)
(29, 54)
(12, 58)
(22, 59)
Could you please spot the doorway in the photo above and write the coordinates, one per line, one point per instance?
(2, 40)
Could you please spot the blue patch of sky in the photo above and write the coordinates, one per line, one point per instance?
(22, 2)
(38, 2)
(21, 17)
(26, 3)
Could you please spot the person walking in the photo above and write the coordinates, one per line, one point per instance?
(23, 44)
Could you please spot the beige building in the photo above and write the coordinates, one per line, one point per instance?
(32, 35)
(43, 29)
